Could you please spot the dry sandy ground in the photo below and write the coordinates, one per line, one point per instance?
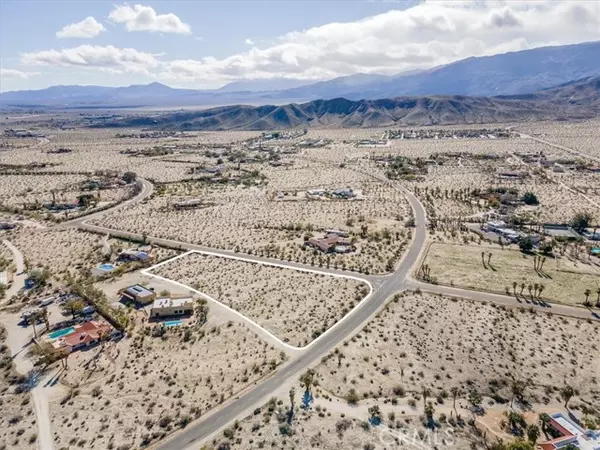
(101, 149)
(17, 420)
(423, 340)
(293, 305)
(68, 250)
(325, 429)
(564, 279)
(146, 386)
(251, 221)
(581, 136)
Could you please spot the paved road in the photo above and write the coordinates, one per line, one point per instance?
(505, 300)
(146, 190)
(384, 288)
(354, 322)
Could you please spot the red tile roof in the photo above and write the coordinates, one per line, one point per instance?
(86, 333)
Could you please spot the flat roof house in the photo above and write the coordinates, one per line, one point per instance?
(168, 307)
(138, 294)
(570, 432)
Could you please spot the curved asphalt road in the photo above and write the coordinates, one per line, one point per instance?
(383, 288)
(352, 323)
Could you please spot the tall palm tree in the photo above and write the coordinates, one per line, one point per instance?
(522, 288)
(587, 296)
(455, 390)
(567, 392)
(483, 259)
(489, 258)
(541, 289)
(514, 285)
(535, 289)
(33, 320)
(425, 392)
(530, 288)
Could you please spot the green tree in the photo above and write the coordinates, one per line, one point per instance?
(374, 413)
(529, 198)
(74, 306)
(129, 177)
(307, 379)
(533, 433)
(566, 393)
(580, 221)
(525, 244)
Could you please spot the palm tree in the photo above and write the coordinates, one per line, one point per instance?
(587, 295)
(542, 262)
(514, 284)
(541, 289)
(307, 379)
(292, 403)
(535, 263)
(483, 259)
(425, 392)
(535, 289)
(44, 316)
(33, 320)
(455, 390)
(529, 288)
(489, 258)
(374, 413)
(429, 410)
(567, 392)
(545, 422)
(522, 288)
(517, 389)
(533, 433)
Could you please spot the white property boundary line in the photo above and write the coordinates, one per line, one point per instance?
(282, 266)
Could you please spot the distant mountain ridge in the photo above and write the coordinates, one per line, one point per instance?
(575, 100)
(505, 74)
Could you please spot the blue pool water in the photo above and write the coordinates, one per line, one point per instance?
(60, 333)
(107, 267)
(172, 323)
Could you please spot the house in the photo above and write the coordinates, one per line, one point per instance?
(331, 243)
(138, 294)
(133, 255)
(343, 193)
(570, 432)
(559, 230)
(83, 336)
(168, 307)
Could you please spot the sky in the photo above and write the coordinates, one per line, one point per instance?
(206, 44)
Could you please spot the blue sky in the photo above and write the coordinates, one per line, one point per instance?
(206, 44)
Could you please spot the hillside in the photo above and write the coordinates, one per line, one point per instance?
(574, 100)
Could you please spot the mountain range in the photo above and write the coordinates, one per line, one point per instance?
(512, 73)
(574, 100)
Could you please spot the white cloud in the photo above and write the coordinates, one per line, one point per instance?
(108, 58)
(145, 18)
(11, 74)
(425, 35)
(87, 28)
(249, 41)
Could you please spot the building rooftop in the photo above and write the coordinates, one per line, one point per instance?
(138, 291)
(171, 302)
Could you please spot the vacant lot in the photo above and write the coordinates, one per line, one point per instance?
(295, 306)
(564, 280)
(147, 386)
(17, 421)
(439, 343)
(323, 428)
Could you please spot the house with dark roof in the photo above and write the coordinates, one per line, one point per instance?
(331, 243)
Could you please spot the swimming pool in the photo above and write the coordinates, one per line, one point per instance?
(107, 267)
(173, 323)
(60, 333)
